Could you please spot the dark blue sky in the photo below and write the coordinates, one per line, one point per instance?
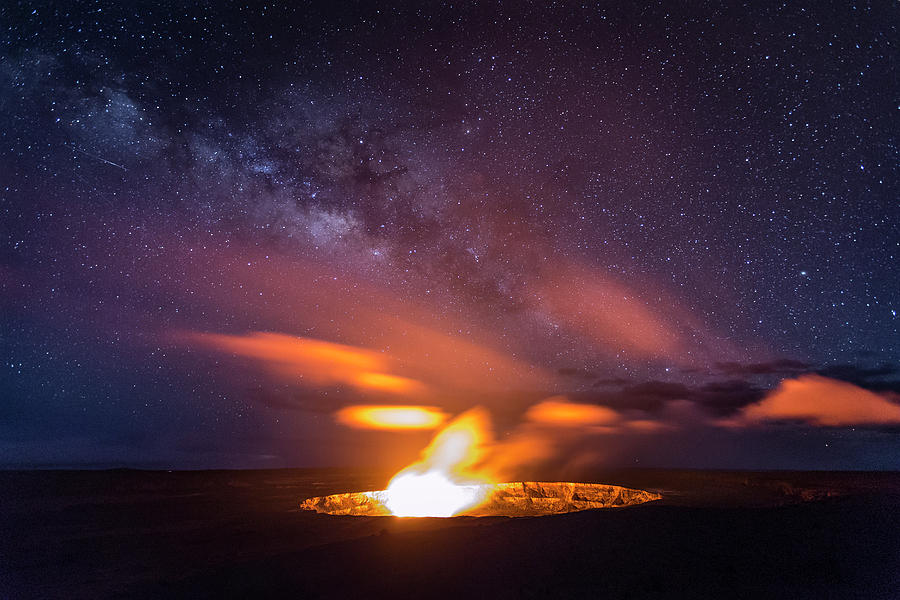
(665, 211)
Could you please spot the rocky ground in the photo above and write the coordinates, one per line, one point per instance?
(108, 534)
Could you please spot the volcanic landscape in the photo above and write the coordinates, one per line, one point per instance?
(214, 534)
(484, 299)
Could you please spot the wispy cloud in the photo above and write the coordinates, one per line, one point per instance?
(316, 361)
(558, 411)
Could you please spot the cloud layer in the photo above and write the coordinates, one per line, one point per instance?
(821, 401)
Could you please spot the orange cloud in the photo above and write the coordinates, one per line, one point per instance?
(644, 323)
(473, 347)
(822, 401)
(560, 412)
(388, 383)
(390, 417)
(316, 361)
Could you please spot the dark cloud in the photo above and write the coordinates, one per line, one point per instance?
(875, 378)
(576, 373)
(653, 394)
(722, 398)
(650, 396)
(715, 398)
(775, 367)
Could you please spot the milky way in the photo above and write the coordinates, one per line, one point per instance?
(662, 212)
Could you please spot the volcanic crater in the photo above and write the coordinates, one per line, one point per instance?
(519, 499)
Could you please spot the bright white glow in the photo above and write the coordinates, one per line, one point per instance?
(430, 494)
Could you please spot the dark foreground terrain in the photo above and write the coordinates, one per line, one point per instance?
(214, 534)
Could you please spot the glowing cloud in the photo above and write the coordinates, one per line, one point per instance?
(822, 401)
(560, 412)
(642, 322)
(388, 383)
(390, 417)
(316, 361)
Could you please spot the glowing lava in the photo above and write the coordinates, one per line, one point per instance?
(450, 480)
(430, 495)
(444, 482)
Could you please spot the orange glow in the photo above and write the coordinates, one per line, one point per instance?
(636, 321)
(422, 362)
(444, 482)
(643, 323)
(610, 313)
(391, 417)
(316, 361)
(389, 383)
(277, 347)
(560, 412)
(425, 344)
(430, 494)
(453, 363)
(822, 401)
(647, 426)
(457, 470)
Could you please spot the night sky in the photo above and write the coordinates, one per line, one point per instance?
(646, 235)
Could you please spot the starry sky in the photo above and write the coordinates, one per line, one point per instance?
(645, 234)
